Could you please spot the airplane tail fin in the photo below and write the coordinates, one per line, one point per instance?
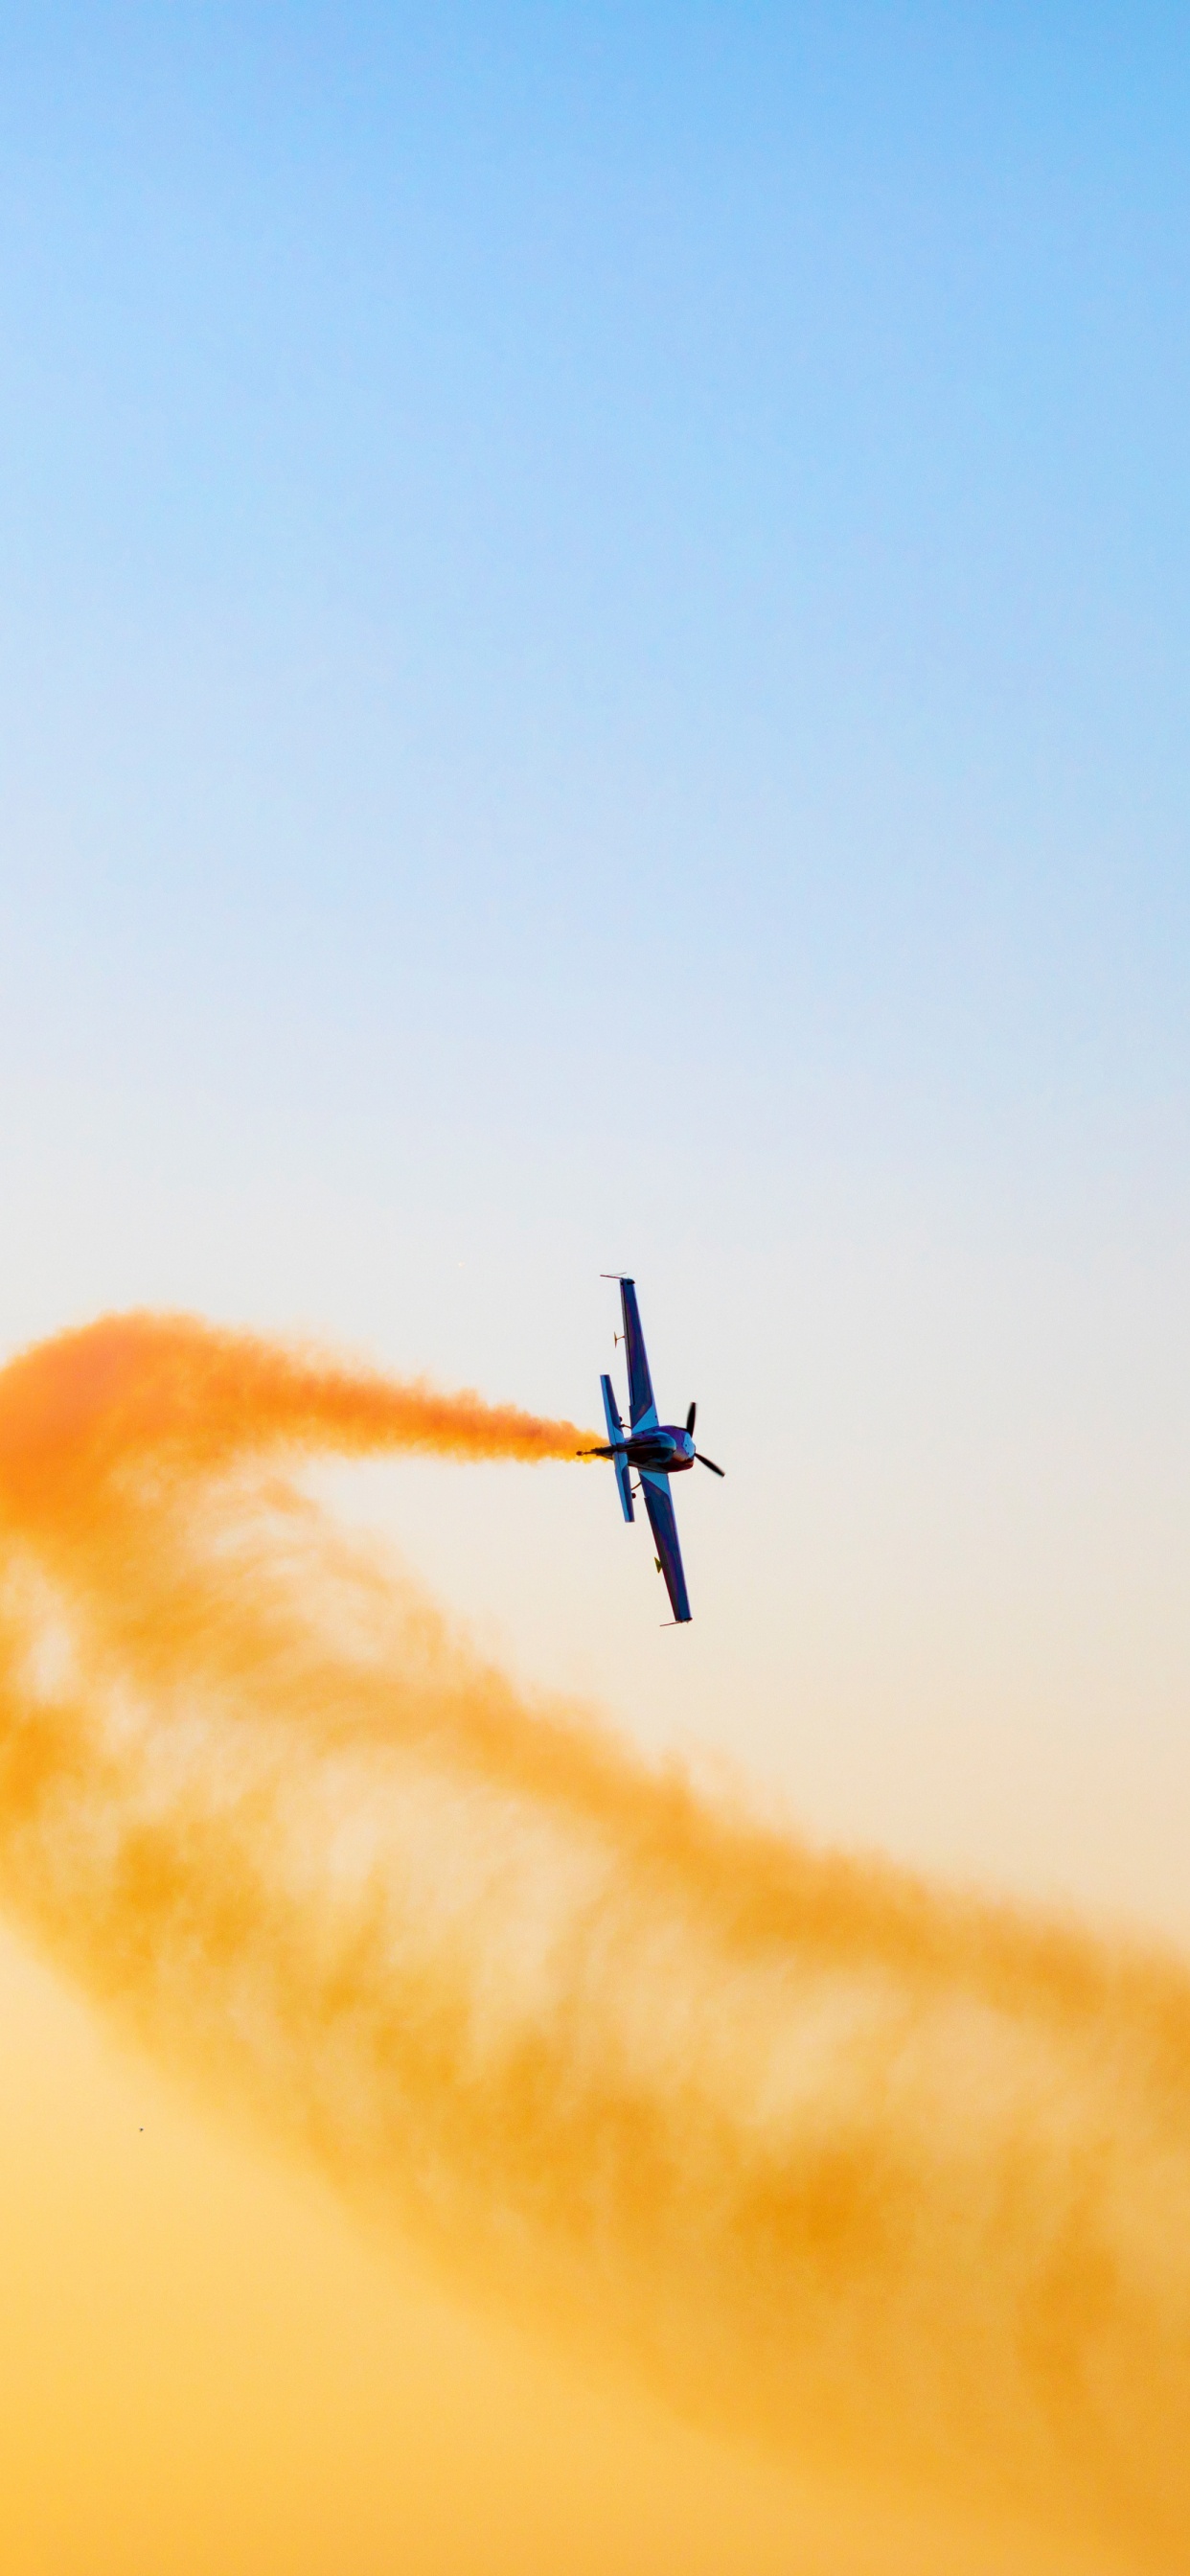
(615, 1431)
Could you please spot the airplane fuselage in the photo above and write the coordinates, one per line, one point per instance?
(665, 1449)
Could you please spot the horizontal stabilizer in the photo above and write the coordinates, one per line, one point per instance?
(615, 1432)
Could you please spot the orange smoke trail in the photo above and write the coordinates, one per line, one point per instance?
(170, 1386)
(897, 2182)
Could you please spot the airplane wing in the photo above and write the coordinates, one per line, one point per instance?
(659, 1506)
(642, 1410)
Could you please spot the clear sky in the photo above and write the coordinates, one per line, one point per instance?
(594, 633)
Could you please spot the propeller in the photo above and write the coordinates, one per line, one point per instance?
(703, 1461)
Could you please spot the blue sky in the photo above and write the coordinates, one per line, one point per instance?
(593, 639)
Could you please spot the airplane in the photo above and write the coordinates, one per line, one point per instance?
(658, 1450)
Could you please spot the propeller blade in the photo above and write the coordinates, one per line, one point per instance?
(690, 1417)
(704, 1461)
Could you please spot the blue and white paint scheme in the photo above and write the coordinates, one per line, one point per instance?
(657, 1450)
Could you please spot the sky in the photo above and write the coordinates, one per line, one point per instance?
(593, 632)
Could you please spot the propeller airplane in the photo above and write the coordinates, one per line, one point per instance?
(657, 1450)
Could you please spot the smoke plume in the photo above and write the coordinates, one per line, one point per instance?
(894, 2181)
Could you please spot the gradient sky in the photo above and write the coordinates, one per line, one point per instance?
(594, 635)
